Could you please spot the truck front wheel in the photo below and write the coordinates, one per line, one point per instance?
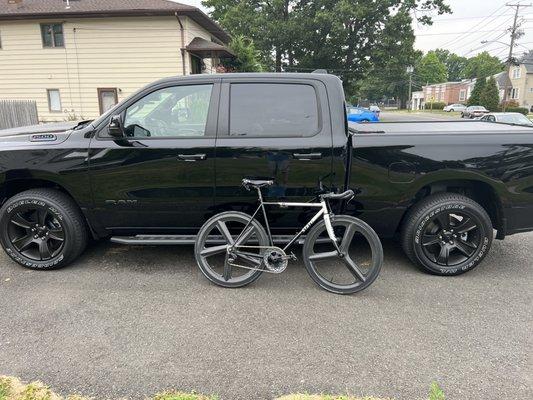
(42, 229)
(447, 234)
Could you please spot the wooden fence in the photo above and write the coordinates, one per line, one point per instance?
(15, 113)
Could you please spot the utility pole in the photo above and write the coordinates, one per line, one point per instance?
(515, 34)
(410, 70)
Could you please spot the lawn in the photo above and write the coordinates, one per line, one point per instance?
(13, 389)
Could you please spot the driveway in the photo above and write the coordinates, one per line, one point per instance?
(131, 321)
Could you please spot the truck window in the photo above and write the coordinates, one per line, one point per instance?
(172, 112)
(273, 110)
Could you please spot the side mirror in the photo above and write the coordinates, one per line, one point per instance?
(115, 127)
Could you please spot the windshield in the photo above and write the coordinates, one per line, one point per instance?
(477, 108)
(518, 119)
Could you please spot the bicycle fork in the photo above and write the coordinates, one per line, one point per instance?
(329, 229)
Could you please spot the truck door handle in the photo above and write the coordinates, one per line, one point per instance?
(191, 157)
(307, 156)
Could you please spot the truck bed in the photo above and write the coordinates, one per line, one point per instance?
(438, 127)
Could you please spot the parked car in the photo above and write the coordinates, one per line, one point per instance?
(474, 112)
(454, 107)
(142, 174)
(507, 118)
(360, 114)
(375, 109)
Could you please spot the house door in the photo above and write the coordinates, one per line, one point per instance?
(107, 98)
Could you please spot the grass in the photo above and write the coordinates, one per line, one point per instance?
(13, 389)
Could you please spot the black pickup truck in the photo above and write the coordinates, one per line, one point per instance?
(156, 166)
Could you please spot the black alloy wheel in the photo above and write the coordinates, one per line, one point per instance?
(451, 238)
(36, 233)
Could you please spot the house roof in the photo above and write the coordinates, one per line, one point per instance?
(205, 48)
(35, 9)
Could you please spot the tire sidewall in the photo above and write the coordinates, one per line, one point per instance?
(450, 206)
(13, 206)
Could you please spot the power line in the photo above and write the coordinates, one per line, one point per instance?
(460, 36)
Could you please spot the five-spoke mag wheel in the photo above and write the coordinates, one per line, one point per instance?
(36, 233)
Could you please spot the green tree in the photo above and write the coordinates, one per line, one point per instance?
(482, 66)
(338, 35)
(475, 96)
(388, 76)
(247, 57)
(455, 64)
(430, 69)
(490, 95)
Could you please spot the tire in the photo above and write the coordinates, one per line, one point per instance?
(47, 212)
(447, 234)
(311, 257)
(203, 252)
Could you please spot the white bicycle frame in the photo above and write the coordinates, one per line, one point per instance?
(323, 212)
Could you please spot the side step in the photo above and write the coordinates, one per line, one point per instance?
(185, 239)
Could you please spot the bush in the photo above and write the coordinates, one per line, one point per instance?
(521, 110)
(437, 105)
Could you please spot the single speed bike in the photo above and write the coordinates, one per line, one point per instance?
(341, 253)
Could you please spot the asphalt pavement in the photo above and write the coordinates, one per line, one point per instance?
(132, 321)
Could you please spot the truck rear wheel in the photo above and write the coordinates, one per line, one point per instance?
(42, 229)
(447, 234)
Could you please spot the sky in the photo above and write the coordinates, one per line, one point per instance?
(471, 22)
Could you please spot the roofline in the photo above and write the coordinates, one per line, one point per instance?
(194, 13)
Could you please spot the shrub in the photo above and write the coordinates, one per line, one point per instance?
(521, 110)
(437, 105)
(435, 392)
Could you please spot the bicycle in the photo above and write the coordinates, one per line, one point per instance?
(251, 248)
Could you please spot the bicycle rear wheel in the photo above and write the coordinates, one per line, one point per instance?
(357, 269)
(213, 241)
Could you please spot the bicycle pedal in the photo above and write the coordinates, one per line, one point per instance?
(293, 257)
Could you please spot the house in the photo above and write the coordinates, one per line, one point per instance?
(77, 58)
(417, 100)
(521, 77)
(447, 92)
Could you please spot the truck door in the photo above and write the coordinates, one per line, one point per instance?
(160, 176)
(277, 130)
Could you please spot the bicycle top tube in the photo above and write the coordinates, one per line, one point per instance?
(290, 204)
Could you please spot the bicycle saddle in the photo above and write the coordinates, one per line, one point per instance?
(339, 196)
(256, 183)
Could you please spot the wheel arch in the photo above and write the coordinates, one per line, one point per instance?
(480, 191)
(12, 187)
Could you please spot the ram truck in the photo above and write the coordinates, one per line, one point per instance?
(155, 167)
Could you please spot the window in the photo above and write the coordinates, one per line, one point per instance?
(516, 73)
(462, 95)
(52, 35)
(54, 100)
(515, 93)
(107, 98)
(178, 111)
(280, 109)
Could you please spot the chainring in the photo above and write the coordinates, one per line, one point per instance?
(275, 260)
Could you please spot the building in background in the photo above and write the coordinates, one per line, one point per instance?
(78, 58)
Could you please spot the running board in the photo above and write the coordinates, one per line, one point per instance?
(187, 239)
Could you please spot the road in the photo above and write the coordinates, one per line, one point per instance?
(132, 321)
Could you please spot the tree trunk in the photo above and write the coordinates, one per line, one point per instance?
(278, 59)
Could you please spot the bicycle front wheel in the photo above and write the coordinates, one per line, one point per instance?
(362, 256)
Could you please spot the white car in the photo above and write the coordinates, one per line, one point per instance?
(375, 109)
(455, 107)
(507, 118)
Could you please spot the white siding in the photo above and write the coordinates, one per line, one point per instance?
(122, 53)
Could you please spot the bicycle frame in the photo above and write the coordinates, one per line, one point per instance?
(323, 212)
